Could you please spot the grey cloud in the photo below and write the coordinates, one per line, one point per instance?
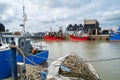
(68, 3)
(112, 15)
(47, 13)
(114, 18)
(3, 7)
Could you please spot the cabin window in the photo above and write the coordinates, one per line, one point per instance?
(3, 40)
(10, 39)
(7, 40)
(22, 42)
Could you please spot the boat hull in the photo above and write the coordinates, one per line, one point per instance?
(115, 38)
(36, 59)
(50, 38)
(74, 38)
(5, 65)
(5, 68)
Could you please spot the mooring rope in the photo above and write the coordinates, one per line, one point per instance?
(22, 53)
(85, 60)
(103, 60)
(89, 60)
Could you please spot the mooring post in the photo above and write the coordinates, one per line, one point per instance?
(13, 63)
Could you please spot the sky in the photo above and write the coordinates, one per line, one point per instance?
(42, 15)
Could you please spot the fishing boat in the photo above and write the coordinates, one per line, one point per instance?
(34, 53)
(37, 57)
(79, 36)
(54, 36)
(114, 36)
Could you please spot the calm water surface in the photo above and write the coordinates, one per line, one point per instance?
(108, 70)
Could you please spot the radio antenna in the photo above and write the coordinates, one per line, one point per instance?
(24, 16)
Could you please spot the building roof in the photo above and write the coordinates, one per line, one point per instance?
(74, 27)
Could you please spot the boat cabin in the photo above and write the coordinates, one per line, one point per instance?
(18, 40)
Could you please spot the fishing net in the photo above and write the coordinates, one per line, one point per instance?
(72, 66)
(78, 68)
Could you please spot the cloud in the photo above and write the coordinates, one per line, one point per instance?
(112, 15)
(67, 3)
(44, 14)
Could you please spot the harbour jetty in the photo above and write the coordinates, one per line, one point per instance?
(100, 37)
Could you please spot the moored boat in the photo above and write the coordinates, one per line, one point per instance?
(78, 38)
(34, 54)
(114, 36)
(36, 57)
(54, 36)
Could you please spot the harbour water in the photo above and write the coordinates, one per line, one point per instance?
(108, 70)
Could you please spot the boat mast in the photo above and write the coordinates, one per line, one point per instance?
(24, 17)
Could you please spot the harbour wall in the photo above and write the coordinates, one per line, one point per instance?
(100, 37)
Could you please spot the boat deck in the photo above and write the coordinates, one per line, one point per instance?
(30, 69)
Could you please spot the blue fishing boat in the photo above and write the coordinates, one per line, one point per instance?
(114, 36)
(33, 53)
(36, 57)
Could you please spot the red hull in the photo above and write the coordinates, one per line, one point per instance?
(50, 38)
(74, 38)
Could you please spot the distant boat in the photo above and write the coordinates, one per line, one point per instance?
(114, 36)
(78, 38)
(54, 36)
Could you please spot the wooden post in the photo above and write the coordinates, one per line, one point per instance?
(13, 63)
(95, 31)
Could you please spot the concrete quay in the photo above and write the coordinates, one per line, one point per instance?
(99, 37)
